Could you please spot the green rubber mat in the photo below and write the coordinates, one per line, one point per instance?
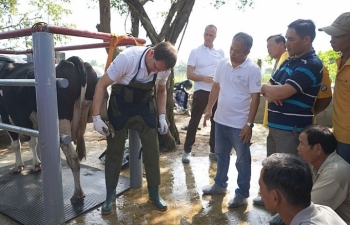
(22, 194)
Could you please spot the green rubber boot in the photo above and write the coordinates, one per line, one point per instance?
(156, 199)
(107, 206)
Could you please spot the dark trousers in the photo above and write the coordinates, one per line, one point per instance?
(115, 152)
(199, 103)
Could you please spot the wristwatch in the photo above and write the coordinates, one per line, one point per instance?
(250, 124)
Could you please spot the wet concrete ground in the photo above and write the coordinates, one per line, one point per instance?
(181, 187)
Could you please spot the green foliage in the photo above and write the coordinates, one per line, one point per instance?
(265, 78)
(268, 60)
(268, 70)
(95, 63)
(180, 68)
(120, 6)
(7, 6)
(328, 58)
(241, 4)
(19, 14)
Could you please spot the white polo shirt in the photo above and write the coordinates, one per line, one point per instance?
(125, 65)
(236, 85)
(204, 60)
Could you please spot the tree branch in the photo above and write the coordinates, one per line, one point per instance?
(137, 8)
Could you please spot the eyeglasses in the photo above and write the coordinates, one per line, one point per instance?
(155, 68)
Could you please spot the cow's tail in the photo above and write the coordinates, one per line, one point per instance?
(82, 81)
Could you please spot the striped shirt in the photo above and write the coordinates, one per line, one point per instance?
(305, 75)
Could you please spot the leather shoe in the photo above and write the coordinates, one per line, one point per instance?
(258, 201)
(237, 201)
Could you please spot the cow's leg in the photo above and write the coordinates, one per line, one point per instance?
(74, 164)
(36, 161)
(16, 146)
(72, 161)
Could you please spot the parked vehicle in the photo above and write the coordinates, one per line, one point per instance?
(181, 97)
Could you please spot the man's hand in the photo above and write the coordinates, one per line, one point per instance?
(277, 102)
(208, 79)
(163, 126)
(207, 116)
(246, 134)
(99, 125)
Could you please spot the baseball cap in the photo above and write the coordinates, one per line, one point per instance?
(339, 27)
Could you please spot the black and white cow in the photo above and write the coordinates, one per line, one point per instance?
(74, 104)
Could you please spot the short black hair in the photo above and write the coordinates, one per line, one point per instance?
(278, 38)
(290, 175)
(304, 28)
(247, 40)
(319, 134)
(166, 52)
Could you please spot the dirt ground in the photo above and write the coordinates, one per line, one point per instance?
(181, 184)
(199, 149)
(201, 146)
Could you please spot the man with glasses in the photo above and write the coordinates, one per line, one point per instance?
(134, 73)
(340, 42)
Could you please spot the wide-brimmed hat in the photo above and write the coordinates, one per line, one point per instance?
(339, 27)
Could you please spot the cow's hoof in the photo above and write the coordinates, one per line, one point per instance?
(36, 168)
(16, 170)
(77, 200)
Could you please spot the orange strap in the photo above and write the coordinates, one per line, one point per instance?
(113, 42)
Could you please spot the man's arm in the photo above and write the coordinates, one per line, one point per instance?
(254, 106)
(277, 92)
(324, 96)
(327, 191)
(213, 96)
(246, 132)
(100, 89)
(195, 77)
(99, 95)
(321, 104)
(161, 98)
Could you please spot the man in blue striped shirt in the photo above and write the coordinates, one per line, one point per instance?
(292, 90)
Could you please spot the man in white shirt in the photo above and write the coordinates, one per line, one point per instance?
(201, 68)
(134, 73)
(236, 87)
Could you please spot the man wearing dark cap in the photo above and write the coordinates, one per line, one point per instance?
(340, 42)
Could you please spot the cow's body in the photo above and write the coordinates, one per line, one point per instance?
(74, 103)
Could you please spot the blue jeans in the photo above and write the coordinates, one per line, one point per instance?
(226, 139)
(344, 151)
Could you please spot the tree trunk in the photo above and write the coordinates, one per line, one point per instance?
(105, 17)
(134, 24)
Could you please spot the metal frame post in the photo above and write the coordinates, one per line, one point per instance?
(45, 76)
(135, 161)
